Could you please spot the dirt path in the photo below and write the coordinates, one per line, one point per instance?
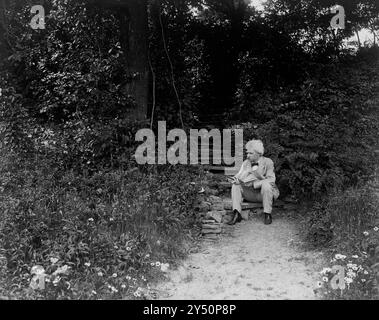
(250, 261)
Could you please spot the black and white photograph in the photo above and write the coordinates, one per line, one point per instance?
(187, 155)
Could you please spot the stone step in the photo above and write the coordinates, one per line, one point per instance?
(252, 205)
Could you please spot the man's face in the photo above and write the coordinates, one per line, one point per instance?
(253, 156)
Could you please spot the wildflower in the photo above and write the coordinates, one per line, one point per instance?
(340, 256)
(128, 249)
(115, 247)
(114, 275)
(365, 233)
(325, 271)
(90, 220)
(62, 270)
(157, 263)
(37, 270)
(355, 256)
(363, 280)
(56, 280)
(93, 292)
(147, 256)
(111, 219)
(152, 264)
(136, 294)
(376, 229)
(348, 280)
(365, 272)
(123, 286)
(113, 289)
(355, 268)
(164, 267)
(100, 274)
(319, 284)
(128, 277)
(54, 260)
(87, 264)
(158, 242)
(325, 279)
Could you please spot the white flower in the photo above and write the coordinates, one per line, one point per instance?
(363, 280)
(325, 271)
(123, 286)
(54, 260)
(325, 279)
(365, 272)
(90, 220)
(114, 275)
(128, 249)
(152, 264)
(56, 280)
(355, 268)
(355, 256)
(376, 229)
(164, 267)
(157, 263)
(111, 219)
(348, 280)
(113, 289)
(340, 256)
(87, 264)
(365, 233)
(319, 284)
(128, 277)
(93, 292)
(136, 294)
(100, 274)
(147, 256)
(62, 270)
(37, 270)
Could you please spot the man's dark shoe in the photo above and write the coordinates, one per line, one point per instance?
(236, 217)
(268, 218)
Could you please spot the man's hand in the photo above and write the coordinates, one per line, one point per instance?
(235, 180)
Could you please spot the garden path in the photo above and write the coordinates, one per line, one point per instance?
(251, 261)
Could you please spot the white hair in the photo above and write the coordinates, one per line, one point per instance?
(256, 145)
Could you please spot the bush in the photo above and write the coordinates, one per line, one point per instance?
(111, 231)
(318, 133)
(347, 222)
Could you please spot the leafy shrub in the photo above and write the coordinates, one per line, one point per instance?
(318, 133)
(342, 216)
(119, 224)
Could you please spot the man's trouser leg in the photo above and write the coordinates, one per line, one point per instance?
(264, 195)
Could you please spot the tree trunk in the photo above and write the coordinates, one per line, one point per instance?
(136, 50)
(133, 19)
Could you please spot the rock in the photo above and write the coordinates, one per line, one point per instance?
(213, 231)
(215, 226)
(215, 215)
(204, 206)
(212, 192)
(245, 214)
(245, 205)
(214, 199)
(211, 236)
(217, 206)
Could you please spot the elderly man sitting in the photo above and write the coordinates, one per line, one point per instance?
(255, 182)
